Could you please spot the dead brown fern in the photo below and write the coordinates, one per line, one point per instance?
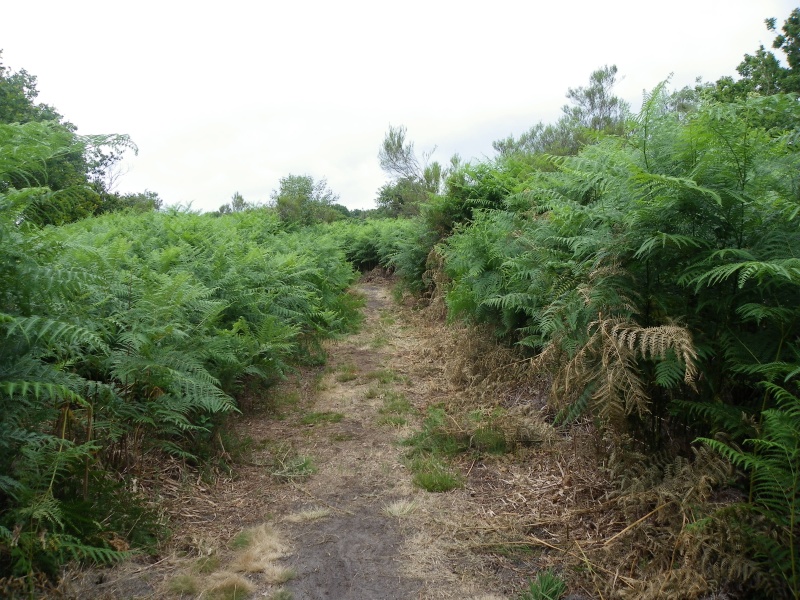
(608, 364)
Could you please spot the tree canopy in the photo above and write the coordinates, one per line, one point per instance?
(301, 201)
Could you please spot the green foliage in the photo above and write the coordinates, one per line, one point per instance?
(394, 410)
(128, 335)
(317, 418)
(301, 201)
(593, 111)
(593, 265)
(237, 204)
(414, 181)
(762, 72)
(17, 98)
(435, 436)
(770, 520)
(433, 475)
(78, 174)
(546, 586)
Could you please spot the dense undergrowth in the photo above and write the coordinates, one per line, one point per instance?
(127, 337)
(654, 276)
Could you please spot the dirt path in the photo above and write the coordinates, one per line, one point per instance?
(369, 546)
(324, 479)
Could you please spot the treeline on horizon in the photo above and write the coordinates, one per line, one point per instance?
(648, 263)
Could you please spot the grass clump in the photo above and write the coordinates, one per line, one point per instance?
(242, 539)
(276, 574)
(282, 404)
(395, 407)
(295, 467)
(546, 586)
(287, 465)
(317, 418)
(396, 404)
(393, 420)
(257, 549)
(379, 341)
(387, 318)
(434, 475)
(347, 373)
(435, 438)
(400, 508)
(489, 440)
(207, 564)
(230, 586)
(311, 514)
(184, 584)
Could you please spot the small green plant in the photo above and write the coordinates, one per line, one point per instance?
(395, 407)
(289, 468)
(387, 318)
(434, 475)
(282, 404)
(379, 341)
(395, 403)
(282, 595)
(392, 420)
(242, 540)
(435, 438)
(347, 373)
(317, 418)
(489, 440)
(546, 586)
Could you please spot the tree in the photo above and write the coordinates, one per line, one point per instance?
(762, 72)
(17, 99)
(401, 197)
(300, 201)
(139, 202)
(595, 107)
(237, 204)
(593, 110)
(78, 172)
(413, 180)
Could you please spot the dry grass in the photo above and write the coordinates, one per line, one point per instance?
(276, 574)
(308, 515)
(569, 498)
(228, 586)
(401, 508)
(263, 548)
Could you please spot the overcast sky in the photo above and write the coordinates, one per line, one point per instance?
(234, 95)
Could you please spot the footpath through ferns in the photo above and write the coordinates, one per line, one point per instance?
(322, 503)
(337, 471)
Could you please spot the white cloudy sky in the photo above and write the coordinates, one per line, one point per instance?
(231, 96)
